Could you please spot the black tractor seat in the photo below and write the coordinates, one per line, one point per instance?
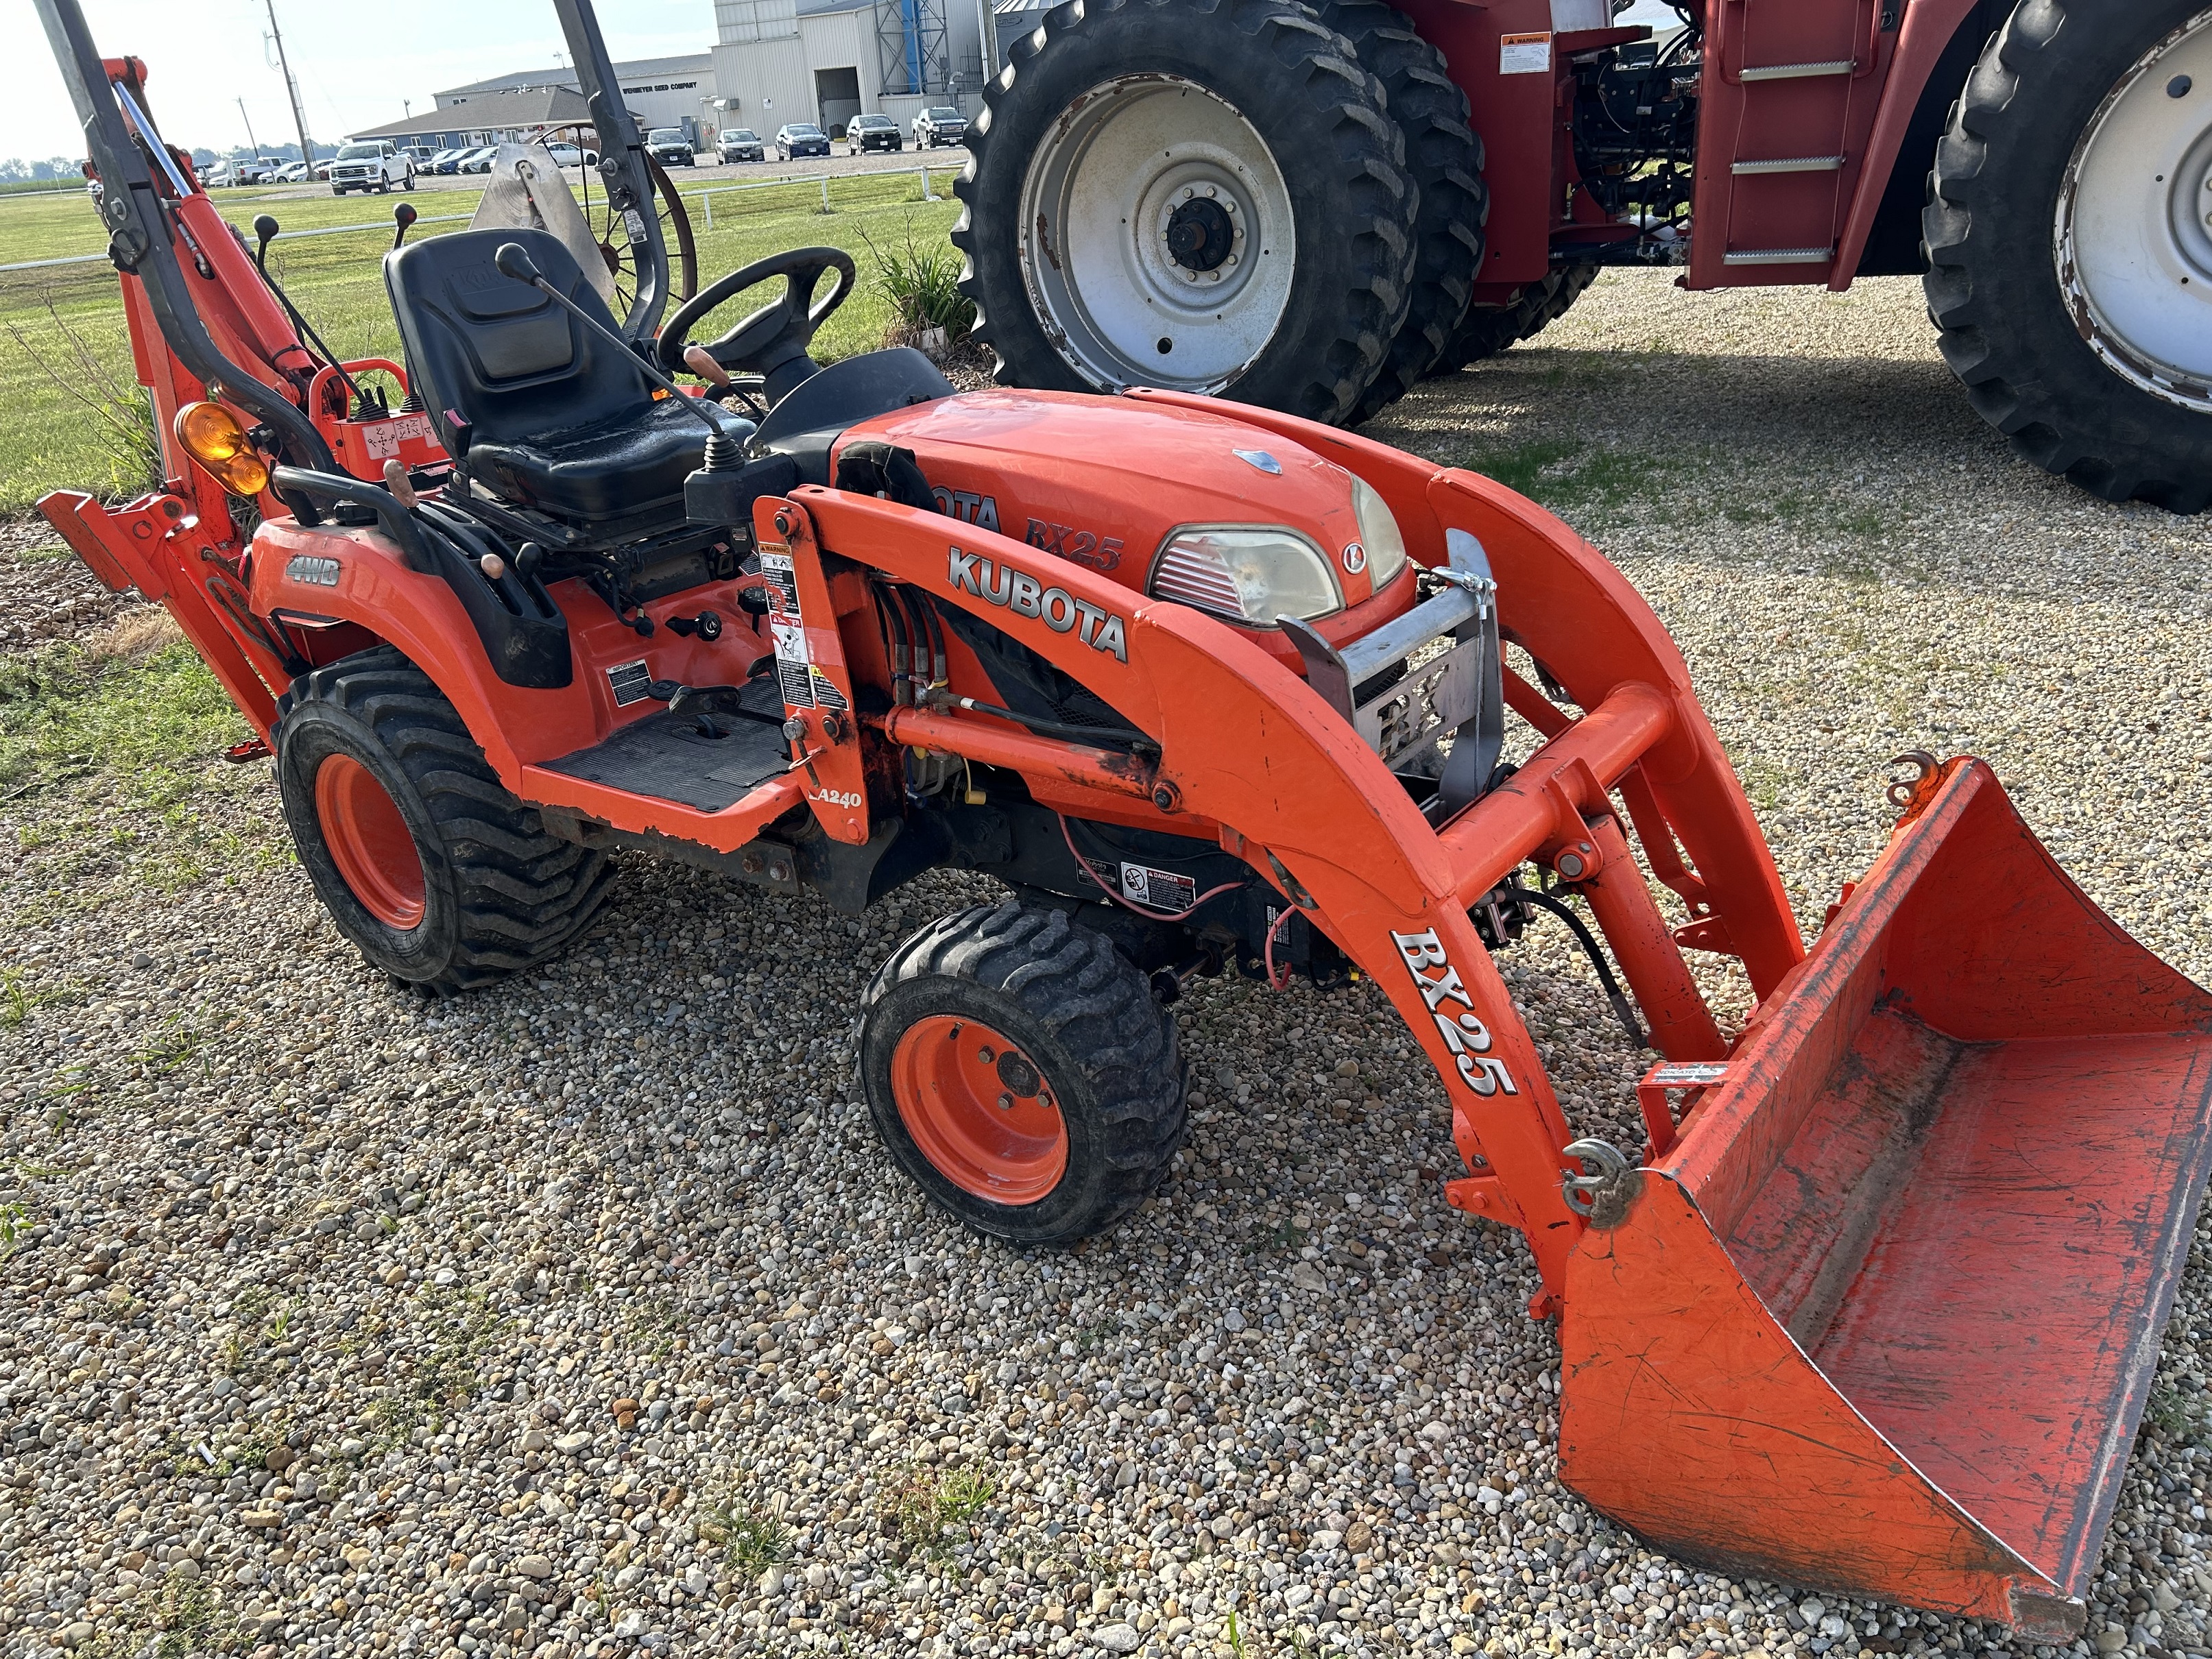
(533, 404)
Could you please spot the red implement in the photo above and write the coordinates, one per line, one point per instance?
(1884, 1317)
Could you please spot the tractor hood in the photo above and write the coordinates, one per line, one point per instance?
(1107, 483)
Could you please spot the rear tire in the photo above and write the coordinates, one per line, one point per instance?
(1488, 330)
(1071, 214)
(423, 859)
(2102, 375)
(1081, 1116)
(1445, 159)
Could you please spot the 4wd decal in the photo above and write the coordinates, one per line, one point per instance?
(1065, 541)
(1025, 596)
(982, 511)
(1467, 1037)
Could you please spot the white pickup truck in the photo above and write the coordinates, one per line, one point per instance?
(371, 165)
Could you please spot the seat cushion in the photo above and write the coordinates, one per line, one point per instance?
(610, 469)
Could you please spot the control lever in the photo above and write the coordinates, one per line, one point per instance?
(265, 228)
(708, 625)
(514, 261)
(727, 393)
(403, 220)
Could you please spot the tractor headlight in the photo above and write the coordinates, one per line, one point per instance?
(1378, 534)
(1248, 573)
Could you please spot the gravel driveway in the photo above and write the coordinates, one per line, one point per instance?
(585, 1315)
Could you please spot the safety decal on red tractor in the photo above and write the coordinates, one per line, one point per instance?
(1465, 1036)
(1025, 596)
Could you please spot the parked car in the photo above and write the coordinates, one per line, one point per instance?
(449, 160)
(567, 156)
(323, 169)
(256, 169)
(800, 138)
(868, 132)
(421, 155)
(940, 124)
(294, 174)
(739, 144)
(373, 164)
(220, 176)
(669, 147)
(478, 160)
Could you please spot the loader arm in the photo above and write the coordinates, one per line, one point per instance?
(1252, 755)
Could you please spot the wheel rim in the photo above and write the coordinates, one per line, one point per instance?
(2133, 231)
(369, 841)
(1155, 214)
(980, 1109)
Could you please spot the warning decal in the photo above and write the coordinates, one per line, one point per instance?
(1524, 54)
(782, 586)
(1162, 889)
(630, 683)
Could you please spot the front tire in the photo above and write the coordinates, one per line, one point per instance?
(2074, 301)
(1201, 194)
(1021, 1072)
(441, 878)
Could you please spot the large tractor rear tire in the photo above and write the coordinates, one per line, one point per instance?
(1200, 194)
(441, 878)
(1488, 330)
(1445, 158)
(2069, 250)
(1021, 1072)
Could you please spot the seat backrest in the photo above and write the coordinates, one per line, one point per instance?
(500, 354)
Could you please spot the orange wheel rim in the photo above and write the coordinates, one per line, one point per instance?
(369, 841)
(982, 1111)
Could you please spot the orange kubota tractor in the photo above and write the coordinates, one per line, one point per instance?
(1207, 688)
(1313, 207)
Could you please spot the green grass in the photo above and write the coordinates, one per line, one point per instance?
(750, 1542)
(1564, 475)
(927, 1508)
(151, 726)
(50, 441)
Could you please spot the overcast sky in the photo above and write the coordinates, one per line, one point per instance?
(356, 60)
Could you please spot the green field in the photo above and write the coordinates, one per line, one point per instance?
(49, 439)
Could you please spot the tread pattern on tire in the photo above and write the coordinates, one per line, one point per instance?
(1349, 125)
(524, 893)
(2102, 442)
(1488, 330)
(1445, 158)
(1095, 1002)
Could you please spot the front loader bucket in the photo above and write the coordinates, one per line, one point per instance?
(1883, 1319)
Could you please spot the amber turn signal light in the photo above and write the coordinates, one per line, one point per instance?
(212, 436)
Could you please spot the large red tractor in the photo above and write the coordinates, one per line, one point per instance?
(1206, 689)
(1311, 208)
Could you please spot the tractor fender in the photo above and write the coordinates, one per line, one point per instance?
(1922, 40)
(313, 577)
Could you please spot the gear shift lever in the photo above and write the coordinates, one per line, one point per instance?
(514, 261)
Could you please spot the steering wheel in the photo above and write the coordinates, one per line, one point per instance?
(772, 341)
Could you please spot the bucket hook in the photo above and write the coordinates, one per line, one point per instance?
(1601, 1194)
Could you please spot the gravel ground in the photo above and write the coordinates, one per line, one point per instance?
(585, 1315)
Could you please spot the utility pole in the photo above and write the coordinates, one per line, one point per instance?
(292, 87)
(251, 143)
(986, 39)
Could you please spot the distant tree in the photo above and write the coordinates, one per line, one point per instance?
(54, 167)
(13, 170)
